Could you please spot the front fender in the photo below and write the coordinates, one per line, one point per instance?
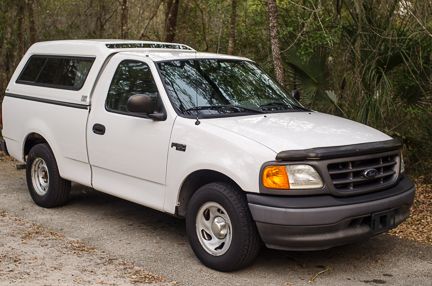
(209, 147)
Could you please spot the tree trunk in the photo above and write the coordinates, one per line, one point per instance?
(6, 58)
(124, 19)
(20, 28)
(150, 19)
(31, 21)
(171, 20)
(274, 40)
(233, 26)
(100, 19)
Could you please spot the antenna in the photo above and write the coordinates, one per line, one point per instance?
(197, 122)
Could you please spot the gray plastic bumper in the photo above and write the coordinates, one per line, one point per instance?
(320, 222)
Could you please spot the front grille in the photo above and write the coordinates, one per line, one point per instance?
(349, 175)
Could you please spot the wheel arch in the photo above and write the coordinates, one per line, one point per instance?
(31, 140)
(193, 182)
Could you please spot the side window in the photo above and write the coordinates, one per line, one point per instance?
(131, 78)
(56, 71)
(32, 69)
(65, 72)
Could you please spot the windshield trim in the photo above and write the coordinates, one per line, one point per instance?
(245, 113)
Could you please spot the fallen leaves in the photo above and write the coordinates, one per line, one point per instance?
(78, 247)
(418, 226)
(4, 157)
(28, 246)
(139, 276)
(37, 231)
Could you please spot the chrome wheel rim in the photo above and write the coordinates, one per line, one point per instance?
(214, 228)
(40, 176)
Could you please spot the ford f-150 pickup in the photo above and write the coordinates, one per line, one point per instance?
(206, 137)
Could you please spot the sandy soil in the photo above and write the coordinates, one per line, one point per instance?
(97, 239)
(31, 254)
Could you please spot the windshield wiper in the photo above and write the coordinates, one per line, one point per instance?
(277, 104)
(226, 106)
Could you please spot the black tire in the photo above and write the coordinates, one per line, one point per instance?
(58, 189)
(245, 241)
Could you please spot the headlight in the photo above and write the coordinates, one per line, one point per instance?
(303, 177)
(291, 177)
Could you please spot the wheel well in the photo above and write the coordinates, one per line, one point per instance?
(193, 182)
(32, 140)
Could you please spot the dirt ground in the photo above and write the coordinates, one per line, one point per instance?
(31, 254)
(97, 239)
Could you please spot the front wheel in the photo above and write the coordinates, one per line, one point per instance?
(46, 187)
(220, 228)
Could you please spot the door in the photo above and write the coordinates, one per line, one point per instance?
(127, 151)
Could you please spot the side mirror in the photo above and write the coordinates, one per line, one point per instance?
(296, 94)
(145, 104)
(141, 103)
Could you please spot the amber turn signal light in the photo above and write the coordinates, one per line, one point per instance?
(275, 177)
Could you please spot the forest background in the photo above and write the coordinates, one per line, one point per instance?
(366, 60)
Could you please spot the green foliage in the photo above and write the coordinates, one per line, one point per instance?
(370, 61)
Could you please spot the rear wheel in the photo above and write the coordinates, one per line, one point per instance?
(220, 228)
(46, 187)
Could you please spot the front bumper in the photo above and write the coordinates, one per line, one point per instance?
(3, 147)
(320, 222)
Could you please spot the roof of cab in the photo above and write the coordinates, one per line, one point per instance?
(156, 51)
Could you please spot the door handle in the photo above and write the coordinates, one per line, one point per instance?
(99, 129)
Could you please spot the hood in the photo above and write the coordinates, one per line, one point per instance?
(299, 130)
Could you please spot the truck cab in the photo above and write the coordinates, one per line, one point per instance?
(206, 137)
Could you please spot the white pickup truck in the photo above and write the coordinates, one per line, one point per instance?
(208, 137)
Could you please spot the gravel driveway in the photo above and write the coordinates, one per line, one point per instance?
(125, 242)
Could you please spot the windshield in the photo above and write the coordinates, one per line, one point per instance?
(210, 87)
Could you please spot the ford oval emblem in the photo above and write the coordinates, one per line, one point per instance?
(370, 173)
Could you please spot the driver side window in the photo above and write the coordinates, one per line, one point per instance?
(131, 78)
